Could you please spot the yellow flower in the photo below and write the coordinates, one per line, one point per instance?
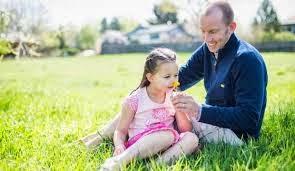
(175, 84)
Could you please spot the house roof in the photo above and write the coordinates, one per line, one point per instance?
(289, 21)
(113, 36)
(156, 29)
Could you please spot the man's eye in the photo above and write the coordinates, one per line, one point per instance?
(213, 31)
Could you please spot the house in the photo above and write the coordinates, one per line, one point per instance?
(114, 37)
(289, 24)
(156, 34)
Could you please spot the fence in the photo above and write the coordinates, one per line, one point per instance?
(190, 47)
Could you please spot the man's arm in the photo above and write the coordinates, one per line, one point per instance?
(193, 70)
(250, 84)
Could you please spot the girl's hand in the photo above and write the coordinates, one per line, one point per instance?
(187, 104)
(119, 149)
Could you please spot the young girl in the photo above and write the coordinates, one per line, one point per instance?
(147, 116)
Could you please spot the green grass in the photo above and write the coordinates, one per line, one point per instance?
(47, 104)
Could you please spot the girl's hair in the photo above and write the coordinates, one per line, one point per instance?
(155, 58)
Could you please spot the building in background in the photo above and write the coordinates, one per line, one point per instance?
(289, 24)
(155, 34)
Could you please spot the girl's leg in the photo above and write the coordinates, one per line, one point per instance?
(88, 137)
(187, 144)
(107, 131)
(144, 147)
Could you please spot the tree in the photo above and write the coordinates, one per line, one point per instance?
(190, 10)
(267, 17)
(128, 24)
(87, 37)
(61, 38)
(104, 25)
(115, 24)
(165, 12)
(25, 16)
(4, 21)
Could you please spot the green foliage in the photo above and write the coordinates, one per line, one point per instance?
(284, 36)
(61, 38)
(62, 42)
(115, 24)
(46, 105)
(49, 40)
(5, 47)
(4, 21)
(261, 36)
(267, 17)
(67, 40)
(103, 25)
(26, 16)
(70, 51)
(165, 12)
(128, 24)
(87, 37)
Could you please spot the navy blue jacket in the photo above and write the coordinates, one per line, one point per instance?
(235, 84)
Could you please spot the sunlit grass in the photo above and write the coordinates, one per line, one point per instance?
(47, 104)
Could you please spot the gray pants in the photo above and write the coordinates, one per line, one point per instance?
(215, 134)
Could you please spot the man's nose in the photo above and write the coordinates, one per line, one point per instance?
(206, 37)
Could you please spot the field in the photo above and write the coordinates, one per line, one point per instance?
(47, 104)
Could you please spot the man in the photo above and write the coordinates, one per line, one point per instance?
(235, 80)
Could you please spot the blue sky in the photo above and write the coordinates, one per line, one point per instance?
(79, 12)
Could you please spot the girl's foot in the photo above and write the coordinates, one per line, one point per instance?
(111, 164)
(93, 143)
(85, 139)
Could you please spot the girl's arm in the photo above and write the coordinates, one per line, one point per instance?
(121, 131)
(184, 124)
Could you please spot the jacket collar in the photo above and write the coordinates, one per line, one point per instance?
(230, 44)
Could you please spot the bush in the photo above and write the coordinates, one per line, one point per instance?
(49, 40)
(276, 37)
(70, 51)
(5, 48)
(87, 37)
(284, 36)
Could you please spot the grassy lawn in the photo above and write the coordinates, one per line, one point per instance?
(46, 104)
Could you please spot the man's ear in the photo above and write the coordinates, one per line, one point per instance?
(149, 76)
(232, 26)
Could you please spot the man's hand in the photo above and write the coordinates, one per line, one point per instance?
(119, 149)
(186, 104)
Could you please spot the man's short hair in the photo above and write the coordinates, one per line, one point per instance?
(224, 7)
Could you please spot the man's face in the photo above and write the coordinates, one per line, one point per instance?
(215, 32)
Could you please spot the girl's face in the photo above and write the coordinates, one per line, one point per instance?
(163, 79)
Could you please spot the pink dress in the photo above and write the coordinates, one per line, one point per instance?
(149, 116)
